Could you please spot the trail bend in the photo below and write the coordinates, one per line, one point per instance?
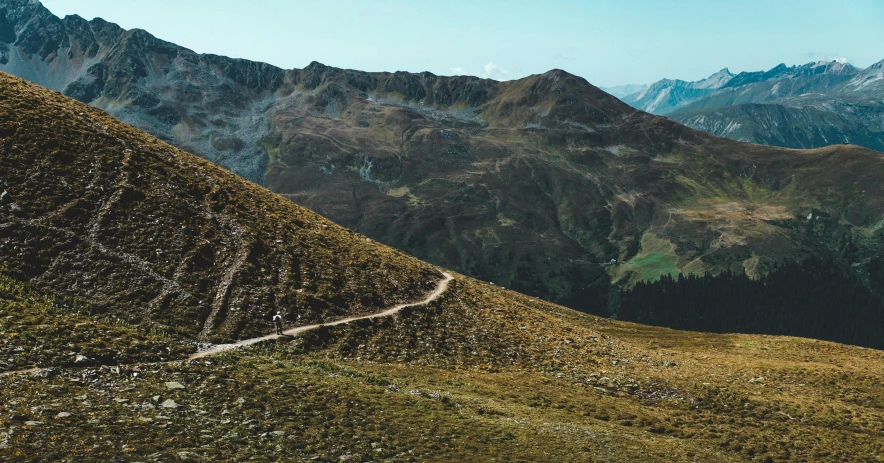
(441, 287)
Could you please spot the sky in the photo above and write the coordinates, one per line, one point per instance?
(608, 42)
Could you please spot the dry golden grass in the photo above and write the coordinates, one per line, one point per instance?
(483, 374)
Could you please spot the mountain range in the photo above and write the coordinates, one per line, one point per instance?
(546, 185)
(121, 256)
(809, 106)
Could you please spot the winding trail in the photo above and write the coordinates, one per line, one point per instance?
(441, 287)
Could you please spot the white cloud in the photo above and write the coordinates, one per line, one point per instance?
(827, 57)
(458, 71)
(494, 71)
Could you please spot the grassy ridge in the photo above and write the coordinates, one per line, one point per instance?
(484, 374)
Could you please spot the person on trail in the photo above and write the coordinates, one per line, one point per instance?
(277, 320)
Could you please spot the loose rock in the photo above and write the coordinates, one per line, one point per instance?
(169, 403)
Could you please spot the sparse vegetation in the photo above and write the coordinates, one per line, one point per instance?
(484, 374)
(106, 215)
(42, 331)
(123, 225)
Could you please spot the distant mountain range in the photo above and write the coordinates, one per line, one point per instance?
(546, 184)
(809, 106)
(624, 90)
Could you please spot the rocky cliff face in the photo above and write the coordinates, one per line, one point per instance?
(207, 104)
(806, 122)
(546, 185)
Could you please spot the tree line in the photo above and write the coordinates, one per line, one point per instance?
(815, 298)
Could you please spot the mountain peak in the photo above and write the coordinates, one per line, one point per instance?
(556, 72)
(561, 75)
(717, 80)
(553, 99)
(20, 3)
(316, 65)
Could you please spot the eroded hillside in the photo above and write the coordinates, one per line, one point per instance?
(97, 211)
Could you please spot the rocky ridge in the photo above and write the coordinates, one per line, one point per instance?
(809, 106)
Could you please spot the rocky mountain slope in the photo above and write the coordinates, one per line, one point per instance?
(105, 222)
(546, 184)
(809, 106)
(207, 104)
(725, 88)
(668, 95)
(800, 122)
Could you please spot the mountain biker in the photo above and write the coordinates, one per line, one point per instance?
(277, 320)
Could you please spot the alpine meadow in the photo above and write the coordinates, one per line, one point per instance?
(462, 268)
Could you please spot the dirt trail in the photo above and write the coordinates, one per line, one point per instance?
(440, 288)
(29, 371)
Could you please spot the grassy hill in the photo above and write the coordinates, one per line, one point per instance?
(100, 212)
(42, 330)
(105, 221)
(484, 374)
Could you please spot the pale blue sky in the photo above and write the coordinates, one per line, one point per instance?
(606, 41)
